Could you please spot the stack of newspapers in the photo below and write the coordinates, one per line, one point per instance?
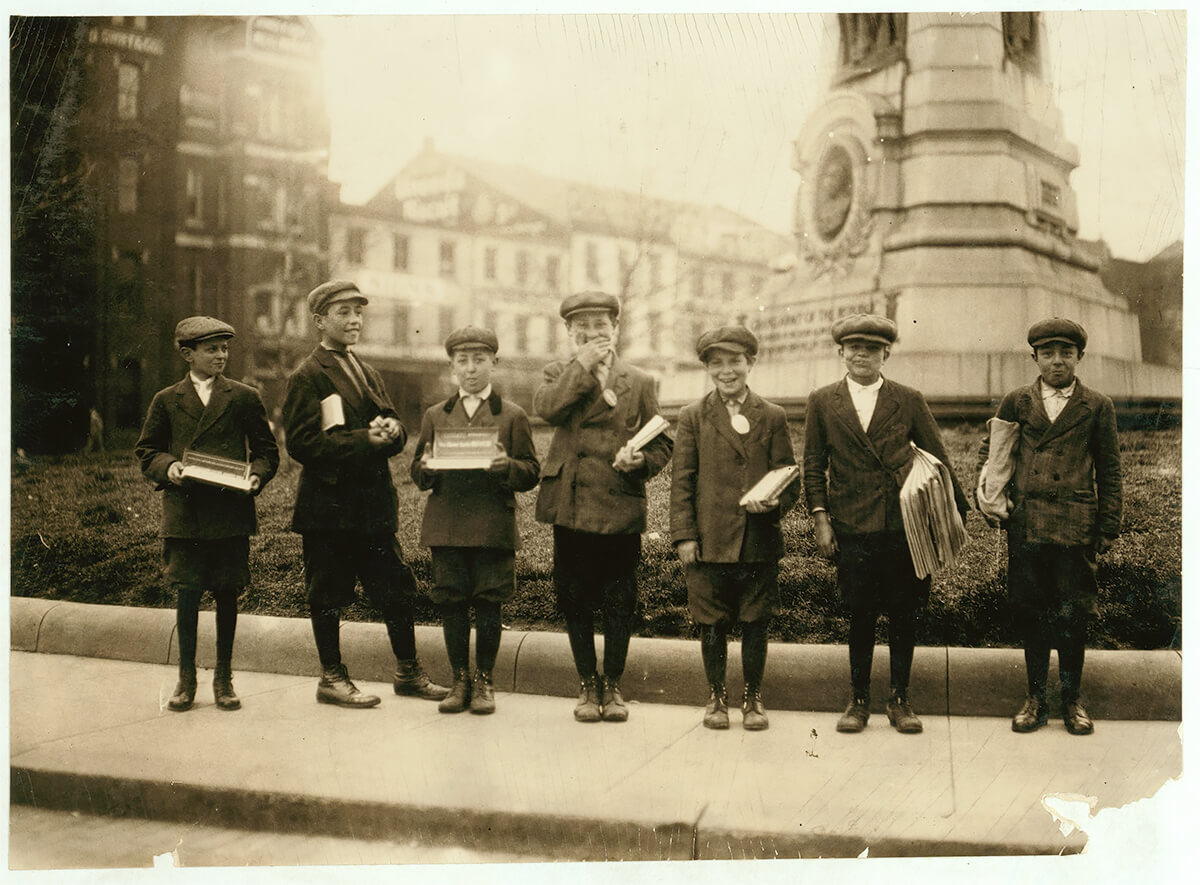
(931, 522)
(771, 486)
(214, 470)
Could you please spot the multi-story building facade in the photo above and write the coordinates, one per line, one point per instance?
(451, 240)
(194, 151)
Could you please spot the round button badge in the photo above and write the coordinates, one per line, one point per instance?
(740, 423)
(610, 397)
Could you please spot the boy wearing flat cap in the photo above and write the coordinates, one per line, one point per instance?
(342, 428)
(470, 522)
(206, 528)
(857, 452)
(594, 492)
(1066, 508)
(724, 444)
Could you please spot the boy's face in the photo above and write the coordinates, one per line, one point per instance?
(1057, 361)
(589, 325)
(207, 358)
(728, 371)
(341, 325)
(864, 359)
(472, 368)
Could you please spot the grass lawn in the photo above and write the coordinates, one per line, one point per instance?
(84, 528)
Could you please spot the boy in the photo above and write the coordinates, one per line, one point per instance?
(1066, 508)
(724, 444)
(594, 492)
(856, 454)
(342, 428)
(205, 528)
(470, 522)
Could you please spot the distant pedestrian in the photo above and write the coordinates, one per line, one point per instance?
(95, 440)
(724, 444)
(857, 451)
(1065, 496)
(206, 528)
(470, 521)
(594, 492)
(342, 428)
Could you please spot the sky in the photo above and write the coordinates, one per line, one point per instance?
(704, 107)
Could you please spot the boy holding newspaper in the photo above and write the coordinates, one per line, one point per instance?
(731, 483)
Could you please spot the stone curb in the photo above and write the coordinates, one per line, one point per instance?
(1132, 685)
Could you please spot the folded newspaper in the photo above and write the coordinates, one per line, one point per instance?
(650, 429)
(991, 493)
(931, 521)
(215, 470)
(771, 486)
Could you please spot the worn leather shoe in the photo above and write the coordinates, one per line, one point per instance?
(410, 679)
(588, 708)
(1076, 718)
(483, 695)
(900, 714)
(716, 714)
(185, 693)
(459, 695)
(856, 715)
(336, 688)
(754, 714)
(1032, 715)
(612, 705)
(223, 692)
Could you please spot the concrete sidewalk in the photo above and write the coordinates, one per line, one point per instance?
(93, 735)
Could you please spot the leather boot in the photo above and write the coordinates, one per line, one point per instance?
(335, 687)
(1076, 719)
(900, 713)
(185, 691)
(754, 714)
(459, 695)
(588, 708)
(483, 696)
(612, 705)
(410, 679)
(716, 714)
(856, 715)
(1032, 715)
(223, 692)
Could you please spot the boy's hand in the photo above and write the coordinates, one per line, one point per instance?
(499, 465)
(593, 352)
(823, 530)
(392, 426)
(627, 461)
(175, 473)
(378, 436)
(255, 482)
(689, 551)
(762, 506)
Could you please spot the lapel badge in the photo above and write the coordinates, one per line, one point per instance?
(740, 423)
(610, 397)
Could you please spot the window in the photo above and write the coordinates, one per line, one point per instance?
(129, 81)
(197, 286)
(194, 195)
(592, 263)
(446, 260)
(445, 321)
(552, 269)
(489, 320)
(127, 184)
(552, 336)
(399, 253)
(698, 283)
(654, 332)
(356, 244)
(727, 283)
(489, 263)
(222, 206)
(400, 321)
(655, 270)
(119, 21)
(522, 334)
(522, 267)
(139, 22)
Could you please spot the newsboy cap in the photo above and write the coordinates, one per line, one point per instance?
(193, 330)
(329, 293)
(472, 336)
(590, 301)
(1057, 329)
(737, 339)
(864, 327)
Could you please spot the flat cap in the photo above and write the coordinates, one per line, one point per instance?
(590, 301)
(864, 327)
(472, 336)
(737, 339)
(195, 329)
(329, 293)
(1057, 329)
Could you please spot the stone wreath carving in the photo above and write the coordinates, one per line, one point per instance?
(834, 207)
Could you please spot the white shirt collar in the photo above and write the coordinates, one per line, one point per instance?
(1065, 392)
(482, 395)
(206, 383)
(855, 387)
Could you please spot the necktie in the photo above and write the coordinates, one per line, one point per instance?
(601, 373)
